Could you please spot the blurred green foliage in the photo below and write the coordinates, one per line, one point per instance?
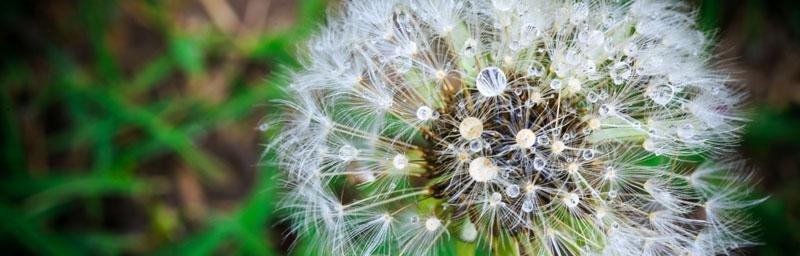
(98, 125)
(109, 116)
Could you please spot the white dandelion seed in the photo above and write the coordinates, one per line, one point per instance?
(558, 126)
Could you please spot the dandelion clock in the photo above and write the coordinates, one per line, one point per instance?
(530, 127)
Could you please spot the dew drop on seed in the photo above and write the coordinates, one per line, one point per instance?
(348, 153)
(555, 84)
(470, 48)
(530, 32)
(662, 93)
(606, 110)
(596, 37)
(620, 72)
(491, 81)
(543, 140)
(527, 206)
(612, 194)
(512, 191)
(496, 197)
(424, 113)
(572, 57)
(591, 97)
(588, 154)
(539, 163)
(505, 174)
(414, 220)
(571, 200)
(536, 70)
(502, 5)
(518, 91)
(475, 145)
(263, 127)
(402, 18)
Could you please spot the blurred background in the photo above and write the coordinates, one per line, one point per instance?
(132, 126)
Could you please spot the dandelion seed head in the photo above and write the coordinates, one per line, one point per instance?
(416, 123)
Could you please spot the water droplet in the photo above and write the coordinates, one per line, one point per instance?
(505, 174)
(518, 91)
(527, 206)
(591, 97)
(475, 145)
(579, 14)
(555, 84)
(543, 140)
(348, 153)
(606, 109)
(491, 82)
(503, 5)
(530, 32)
(661, 93)
(414, 219)
(619, 72)
(571, 200)
(572, 57)
(470, 48)
(402, 17)
(539, 163)
(612, 194)
(263, 127)
(588, 154)
(496, 197)
(512, 191)
(536, 70)
(424, 113)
